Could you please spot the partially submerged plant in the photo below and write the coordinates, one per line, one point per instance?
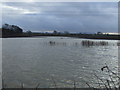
(113, 83)
(94, 43)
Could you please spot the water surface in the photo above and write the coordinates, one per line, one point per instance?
(36, 60)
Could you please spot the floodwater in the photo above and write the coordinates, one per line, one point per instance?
(55, 60)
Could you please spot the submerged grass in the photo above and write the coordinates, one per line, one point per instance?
(86, 43)
(94, 43)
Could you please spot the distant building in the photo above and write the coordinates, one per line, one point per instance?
(112, 33)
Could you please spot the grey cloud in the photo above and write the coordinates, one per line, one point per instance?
(66, 16)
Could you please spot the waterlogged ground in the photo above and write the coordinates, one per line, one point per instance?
(60, 60)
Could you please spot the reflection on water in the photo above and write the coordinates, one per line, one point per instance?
(40, 60)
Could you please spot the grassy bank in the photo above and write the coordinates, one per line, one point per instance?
(87, 36)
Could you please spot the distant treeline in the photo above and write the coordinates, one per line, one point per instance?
(15, 31)
(11, 30)
(80, 35)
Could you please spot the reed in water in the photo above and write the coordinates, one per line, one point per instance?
(85, 43)
(94, 43)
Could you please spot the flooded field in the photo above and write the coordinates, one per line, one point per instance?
(62, 60)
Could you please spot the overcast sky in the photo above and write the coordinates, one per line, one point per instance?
(62, 16)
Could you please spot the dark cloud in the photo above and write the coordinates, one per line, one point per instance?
(63, 16)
